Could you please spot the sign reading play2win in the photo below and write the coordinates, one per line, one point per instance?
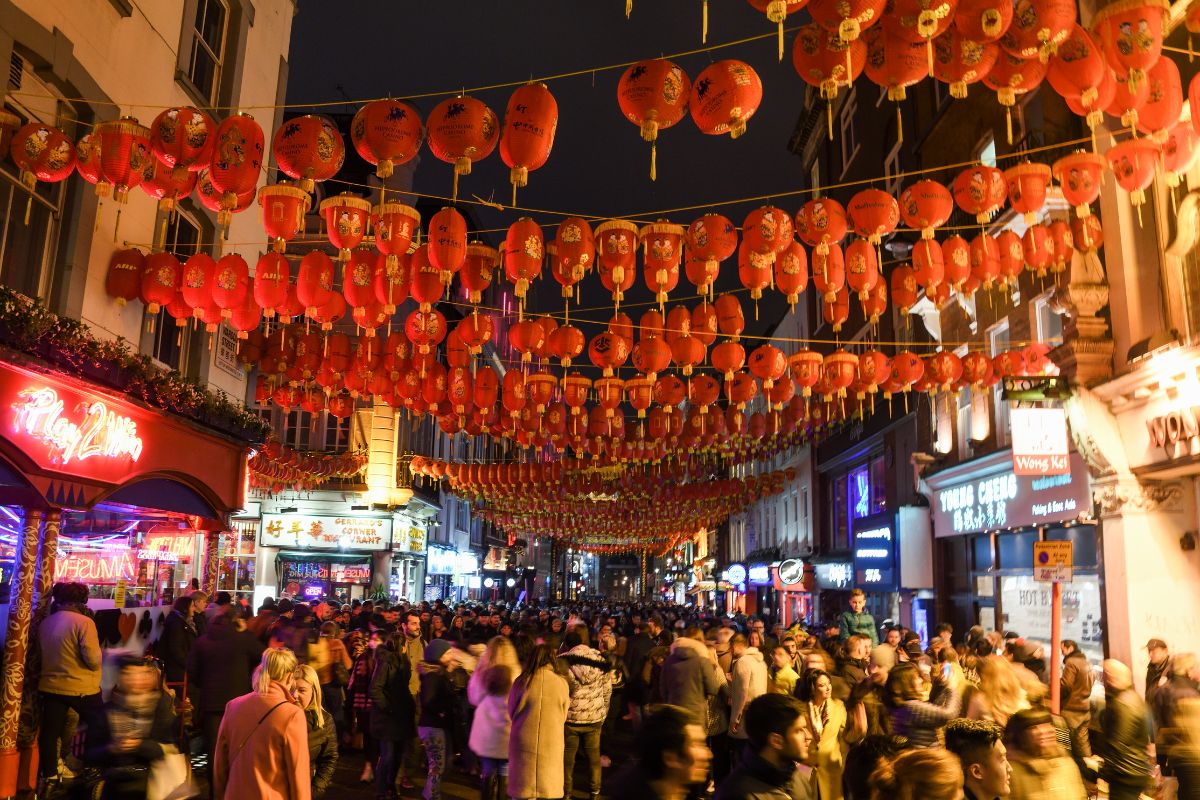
(1052, 561)
(1039, 441)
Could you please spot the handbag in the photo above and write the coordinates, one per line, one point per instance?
(170, 778)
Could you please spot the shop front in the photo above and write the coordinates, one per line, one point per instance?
(322, 557)
(792, 580)
(986, 520)
(760, 593)
(451, 575)
(731, 589)
(408, 562)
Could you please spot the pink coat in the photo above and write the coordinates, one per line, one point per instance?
(273, 762)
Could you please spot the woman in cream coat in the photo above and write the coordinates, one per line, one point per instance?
(833, 732)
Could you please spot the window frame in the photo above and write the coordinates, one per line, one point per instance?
(164, 322)
(1000, 407)
(847, 133)
(194, 38)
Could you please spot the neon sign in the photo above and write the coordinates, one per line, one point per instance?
(102, 432)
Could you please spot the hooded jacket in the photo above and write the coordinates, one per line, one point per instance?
(1076, 683)
(437, 696)
(749, 681)
(690, 677)
(591, 679)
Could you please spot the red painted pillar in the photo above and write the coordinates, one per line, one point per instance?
(20, 612)
(212, 562)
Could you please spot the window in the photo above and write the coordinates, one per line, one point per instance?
(841, 514)
(1047, 324)
(963, 423)
(814, 178)
(235, 573)
(891, 171)
(987, 151)
(849, 138)
(999, 340)
(207, 58)
(167, 342)
(337, 433)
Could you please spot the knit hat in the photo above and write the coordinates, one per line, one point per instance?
(435, 650)
(883, 656)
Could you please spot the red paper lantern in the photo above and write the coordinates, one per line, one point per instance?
(983, 21)
(245, 318)
(566, 343)
(651, 355)
(1165, 101)
(829, 272)
(608, 351)
(1080, 175)
(768, 363)
(1062, 245)
(791, 272)
(1179, 152)
(687, 352)
(874, 214)
(161, 278)
(1193, 102)
(478, 269)
(386, 133)
(945, 368)
(1078, 68)
(462, 130)
(839, 370)
(616, 246)
(704, 323)
(392, 282)
(904, 288)
(230, 284)
(314, 280)
(283, 210)
(1027, 185)
(524, 250)
(358, 281)
(309, 149)
(87, 161)
(1131, 33)
(724, 97)
(346, 219)
(894, 62)
(124, 154)
(1038, 249)
(980, 191)
(846, 20)
(448, 242)
(236, 160)
(1010, 77)
(272, 276)
(220, 204)
(1038, 28)
(42, 153)
(183, 138)
(820, 223)
(1128, 99)
(826, 59)
(960, 61)
(711, 238)
(926, 205)
(776, 12)
(1132, 163)
(838, 311)
(167, 186)
(395, 225)
(754, 270)
(197, 277)
(767, 231)
(874, 368)
(985, 260)
(426, 329)
(876, 303)
(653, 95)
(574, 254)
(663, 243)
(928, 267)
(956, 261)
(1011, 250)
(530, 122)
(426, 286)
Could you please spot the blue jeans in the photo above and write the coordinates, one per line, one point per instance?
(390, 752)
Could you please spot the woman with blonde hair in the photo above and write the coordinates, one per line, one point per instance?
(322, 733)
(930, 773)
(1000, 694)
(262, 745)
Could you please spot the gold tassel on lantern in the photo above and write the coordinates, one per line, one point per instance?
(704, 22)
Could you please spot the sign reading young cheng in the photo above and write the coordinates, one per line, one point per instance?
(1039, 441)
(304, 532)
(1003, 499)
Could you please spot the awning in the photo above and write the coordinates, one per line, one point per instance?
(319, 556)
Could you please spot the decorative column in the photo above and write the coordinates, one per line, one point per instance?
(212, 562)
(642, 587)
(20, 611)
(1086, 354)
(48, 557)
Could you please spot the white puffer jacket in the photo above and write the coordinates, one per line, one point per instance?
(591, 685)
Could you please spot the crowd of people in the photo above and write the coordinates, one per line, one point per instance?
(541, 702)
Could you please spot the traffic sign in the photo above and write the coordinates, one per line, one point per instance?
(1052, 561)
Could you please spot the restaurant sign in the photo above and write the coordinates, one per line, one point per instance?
(994, 497)
(305, 532)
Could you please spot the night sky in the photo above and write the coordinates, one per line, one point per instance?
(599, 166)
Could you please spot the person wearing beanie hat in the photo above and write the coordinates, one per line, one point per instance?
(437, 702)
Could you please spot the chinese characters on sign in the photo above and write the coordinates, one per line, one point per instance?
(100, 431)
(326, 533)
(1004, 499)
(838, 575)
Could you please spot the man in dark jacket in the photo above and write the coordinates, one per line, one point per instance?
(637, 648)
(175, 642)
(1076, 696)
(671, 759)
(1126, 726)
(392, 711)
(690, 675)
(219, 667)
(779, 739)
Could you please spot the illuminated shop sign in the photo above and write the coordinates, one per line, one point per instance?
(1007, 500)
(95, 567)
(735, 574)
(838, 575)
(306, 532)
(759, 574)
(791, 571)
(439, 561)
(88, 430)
(875, 554)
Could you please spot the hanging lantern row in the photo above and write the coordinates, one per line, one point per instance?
(278, 466)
